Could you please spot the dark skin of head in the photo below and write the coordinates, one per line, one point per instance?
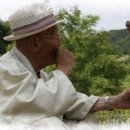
(43, 51)
(128, 25)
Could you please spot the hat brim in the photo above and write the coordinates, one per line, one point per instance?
(13, 38)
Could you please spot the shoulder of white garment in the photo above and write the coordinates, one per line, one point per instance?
(10, 64)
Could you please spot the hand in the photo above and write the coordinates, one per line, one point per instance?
(64, 61)
(121, 101)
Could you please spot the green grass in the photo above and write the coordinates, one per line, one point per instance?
(118, 116)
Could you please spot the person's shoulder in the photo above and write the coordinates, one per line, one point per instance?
(10, 64)
(6, 60)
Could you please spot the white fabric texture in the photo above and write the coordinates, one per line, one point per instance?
(30, 14)
(32, 19)
(25, 98)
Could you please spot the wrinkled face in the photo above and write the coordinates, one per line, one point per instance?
(49, 42)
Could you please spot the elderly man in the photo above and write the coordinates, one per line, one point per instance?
(27, 93)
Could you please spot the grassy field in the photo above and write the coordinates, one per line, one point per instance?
(119, 116)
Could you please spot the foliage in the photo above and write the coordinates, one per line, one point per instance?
(95, 58)
(4, 31)
(120, 40)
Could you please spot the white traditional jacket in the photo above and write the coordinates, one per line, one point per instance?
(25, 97)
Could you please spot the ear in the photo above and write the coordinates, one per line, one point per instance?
(34, 43)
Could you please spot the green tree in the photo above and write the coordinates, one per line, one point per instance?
(95, 59)
(4, 31)
(107, 74)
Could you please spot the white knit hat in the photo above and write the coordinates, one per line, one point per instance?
(31, 20)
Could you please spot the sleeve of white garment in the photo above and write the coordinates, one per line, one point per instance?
(81, 106)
